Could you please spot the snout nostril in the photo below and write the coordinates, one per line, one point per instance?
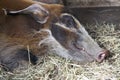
(102, 55)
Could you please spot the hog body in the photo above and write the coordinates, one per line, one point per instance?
(24, 39)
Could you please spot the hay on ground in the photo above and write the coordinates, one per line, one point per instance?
(54, 67)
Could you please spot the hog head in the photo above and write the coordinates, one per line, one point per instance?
(74, 41)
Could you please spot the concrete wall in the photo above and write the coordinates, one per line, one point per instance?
(93, 11)
(84, 3)
(93, 3)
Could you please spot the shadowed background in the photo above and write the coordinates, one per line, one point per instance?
(92, 11)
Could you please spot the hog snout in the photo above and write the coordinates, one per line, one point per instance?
(102, 55)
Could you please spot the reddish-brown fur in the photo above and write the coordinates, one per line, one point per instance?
(61, 34)
(21, 29)
(14, 25)
(54, 9)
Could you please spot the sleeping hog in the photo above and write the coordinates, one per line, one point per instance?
(24, 38)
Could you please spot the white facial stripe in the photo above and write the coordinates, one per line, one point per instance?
(44, 21)
(62, 25)
(65, 14)
(30, 9)
(5, 11)
(65, 27)
(81, 28)
(34, 10)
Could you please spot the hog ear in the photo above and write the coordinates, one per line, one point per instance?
(39, 13)
(68, 20)
(59, 32)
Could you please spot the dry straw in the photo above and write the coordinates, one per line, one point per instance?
(53, 67)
